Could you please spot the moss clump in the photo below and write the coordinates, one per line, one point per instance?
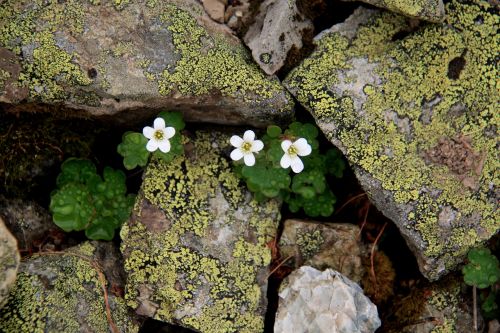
(415, 92)
(53, 289)
(201, 245)
(47, 67)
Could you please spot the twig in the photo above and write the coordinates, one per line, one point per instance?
(279, 265)
(364, 221)
(474, 307)
(372, 254)
(349, 201)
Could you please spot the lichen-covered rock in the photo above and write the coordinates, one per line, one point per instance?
(429, 10)
(323, 302)
(277, 29)
(417, 118)
(433, 308)
(195, 247)
(63, 292)
(9, 262)
(323, 245)
(105, 57)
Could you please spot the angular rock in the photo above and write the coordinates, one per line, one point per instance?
(63, 292)
(415, 113)
(278, 28)
(195, 247)
(9, 262)
(29, 222)
(104, 58)
(428, 10)
(323, 245)
(433, 307)
(323, 302)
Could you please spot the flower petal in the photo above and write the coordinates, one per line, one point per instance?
(152, 145)
(159, 123)
(249, 159)
(169, 132)
(164, 146)
(249, 136)
(236, 154)
(236, 141)
(285, 161)
(148, 132)
(285, 144)
(257, 146)
(303, 148)
(297, 165)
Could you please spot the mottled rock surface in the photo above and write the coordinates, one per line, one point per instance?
(323, 302)
(323, 245)
(195, 247)
(9, 262)
(277, 29)
(428, 10)
(104, 57)
(63, 292)
(415, 111)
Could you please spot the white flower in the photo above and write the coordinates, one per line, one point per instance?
(158, 136)
(245, 147)
(292, 152)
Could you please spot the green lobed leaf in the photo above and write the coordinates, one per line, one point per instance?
(133, 149)
(101, 229)
(75, 170)
(273, 131)
(71, 206)
(173, 119)
(334, 163)
(483, 268)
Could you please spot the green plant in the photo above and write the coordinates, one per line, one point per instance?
(483, 268)
(135, 147)
(86, 201)
(269, 176)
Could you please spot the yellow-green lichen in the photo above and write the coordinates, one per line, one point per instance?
(47, 67)
(309, 242)
(209, 62)
(431, 10)
(197, 280)
(448, 69)
(51, 291)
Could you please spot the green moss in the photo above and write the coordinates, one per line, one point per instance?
(51, 291)
(168, 263)
(412, 73)
(209, 62)
(47, 68)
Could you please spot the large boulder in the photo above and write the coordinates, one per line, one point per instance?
(428, 10)
(324, 302)
(195, 247)
(64, 292)
(415, 111)
(9, 262)
(106, 57)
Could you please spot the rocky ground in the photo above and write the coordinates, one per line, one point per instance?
(406, 90)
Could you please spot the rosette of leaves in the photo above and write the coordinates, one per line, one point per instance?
(482, 270)
(86, 201)
(133, 145)
(307, 190)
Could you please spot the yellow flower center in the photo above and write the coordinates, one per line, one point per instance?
(246, 147)
(158, 135)
(292, 151)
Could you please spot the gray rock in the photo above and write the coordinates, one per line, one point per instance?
(428, 10)
(133, 58)
(63, 292)
(326, 302)
(9, 262)
(277, 29)
(323, 245)
(407, 107)
(195, 247)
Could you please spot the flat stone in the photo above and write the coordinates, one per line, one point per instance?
(414, 110)
(323, 245)
(195, 247)
(215, 9)
(428, 10)
(277, 29)
(9, 262)
(132, 58)
(323, 302)
(63, 292)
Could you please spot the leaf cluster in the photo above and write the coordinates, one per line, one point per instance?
(86, 201)
(133, 145)
(307, 190)
(482, 270)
